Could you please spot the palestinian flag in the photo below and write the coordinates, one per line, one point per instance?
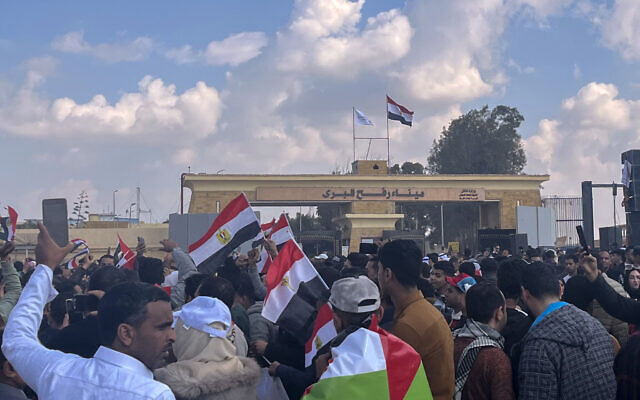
(323, 332)
(281, 231)
(236, 224)
(128, 258)
(397, 112)
(372, 364)
(9, 225)
(293, 288)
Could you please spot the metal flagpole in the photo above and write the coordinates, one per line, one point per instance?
(353, 120)
(386, 111)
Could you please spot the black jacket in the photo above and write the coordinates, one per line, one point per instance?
(81, 338)
(623, 308)
(518, 323)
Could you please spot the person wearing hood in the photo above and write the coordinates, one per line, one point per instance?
(566, 354)
(483, 370)
(207, 366)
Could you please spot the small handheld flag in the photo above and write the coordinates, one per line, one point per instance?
(128, 258)
(9, 225)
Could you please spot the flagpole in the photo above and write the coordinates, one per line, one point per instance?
(353, 121)
(386, 111)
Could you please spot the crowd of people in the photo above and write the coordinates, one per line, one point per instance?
(541, 325)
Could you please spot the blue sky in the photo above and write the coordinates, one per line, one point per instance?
(99, 96)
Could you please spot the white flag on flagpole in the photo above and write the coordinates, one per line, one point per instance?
(362, 119)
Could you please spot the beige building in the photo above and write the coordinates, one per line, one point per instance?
(369, 197)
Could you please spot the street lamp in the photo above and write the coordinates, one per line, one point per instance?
(114, 204)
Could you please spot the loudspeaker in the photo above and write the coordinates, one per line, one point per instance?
(487, 238)
(610, 237)
(633, 191)
(633, 229)
(518, 243)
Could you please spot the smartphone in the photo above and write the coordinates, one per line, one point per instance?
(82, 304)
(54, 217)
(583, 239)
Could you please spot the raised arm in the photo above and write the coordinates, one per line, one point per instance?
(12, 286)
(20, 343)
(623, 308)
(186, 268)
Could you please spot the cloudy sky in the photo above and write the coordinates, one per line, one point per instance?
(115, 95)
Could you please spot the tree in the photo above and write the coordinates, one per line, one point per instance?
(482, 141)
(407, 168)
(81, 208)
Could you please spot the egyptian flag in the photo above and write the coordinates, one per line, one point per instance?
(293, 288)
(397, 112)
(9, 225)
(372, 364)
(266, 228)
(281, 231)
(323, 332)
(237, 223)
(265, 258)
(128, 258)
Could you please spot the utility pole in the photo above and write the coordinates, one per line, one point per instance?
(138, 203)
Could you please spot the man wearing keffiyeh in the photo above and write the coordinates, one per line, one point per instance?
(483, 370)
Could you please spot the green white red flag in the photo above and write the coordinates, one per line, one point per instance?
(372, 364)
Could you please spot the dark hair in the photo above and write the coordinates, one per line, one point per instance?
(106, 256)
(548, 254)
(446, 267)
(573, 257)
(468, 268)
(18, 265)
(58, 307)
(353, 272)
(126, 303)
(636, 250)
(151, 270)
(482, 300)
(488, 266)
(191, 284)
(540, 280)
(619, 252)
(433, 257)
(577, 292)
(426, 288)
(510, 278)
(219, 288)
(106, 277)
(241, 282)
(358, 260)
(404, 258)
(354, 319)
(328, 275)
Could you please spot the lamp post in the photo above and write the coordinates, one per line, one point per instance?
(130, 207)
(114, 204)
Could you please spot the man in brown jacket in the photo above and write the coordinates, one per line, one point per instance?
(415, 320)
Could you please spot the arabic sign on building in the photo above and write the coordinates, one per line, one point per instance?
(379, 194)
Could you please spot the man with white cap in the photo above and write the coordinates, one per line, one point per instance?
(362, 350)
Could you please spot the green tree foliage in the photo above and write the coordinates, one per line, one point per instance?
(482, 141)
(407, 168)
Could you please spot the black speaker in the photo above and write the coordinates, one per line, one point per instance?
(488, 238)
(633, 191)
(518, 243)
(610, 237)
(633, 229)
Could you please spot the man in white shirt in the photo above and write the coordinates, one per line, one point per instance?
(135, 323)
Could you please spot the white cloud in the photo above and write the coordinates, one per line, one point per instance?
(155, 112)
(577, 72)
(233, 50)
(620, 26)
(135, 50)
(584, 143)
(38, 69)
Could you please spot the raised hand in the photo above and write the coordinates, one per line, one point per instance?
(168, 245)
(6, 250)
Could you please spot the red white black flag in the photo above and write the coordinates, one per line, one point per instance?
(9, 225)
(237, 223)
(281, 231)
(293, 288)
(397, 112)
(128, 258)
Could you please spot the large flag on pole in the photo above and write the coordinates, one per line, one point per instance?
(293, 288)
(362, 119)
(128, 258)
(281, 231)
(323, 332)
(397, 112)
(372, 364)
(9, 225)
(237, 223)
